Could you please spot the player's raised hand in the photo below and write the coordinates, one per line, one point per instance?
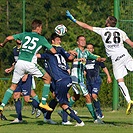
(73, 52)
(69, 15)
(8, 70)
(1, 45)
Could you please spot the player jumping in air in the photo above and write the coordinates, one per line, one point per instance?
(113, 39)
(32, 42)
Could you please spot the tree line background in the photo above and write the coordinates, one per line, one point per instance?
(52, 13)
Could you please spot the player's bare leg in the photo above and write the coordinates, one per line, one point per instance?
(46, 90)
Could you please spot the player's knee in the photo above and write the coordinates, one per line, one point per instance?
(47, 78)
(27, 99)
(13, 87)
(88, 98)
(16, 95)
(94, 96)
(33, 93)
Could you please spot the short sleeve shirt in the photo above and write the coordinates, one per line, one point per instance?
(31, 44)
(112, 38)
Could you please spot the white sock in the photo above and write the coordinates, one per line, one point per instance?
(124, 91)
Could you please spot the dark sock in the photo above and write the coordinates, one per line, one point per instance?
(97, 107)
(52, 105)
(64, 116)
(71, 113)
(18, 107)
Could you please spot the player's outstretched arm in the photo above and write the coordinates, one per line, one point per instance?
(128, 41)
(101, 59)
(109, 80)
(73, 54)
(84, 25)
(9, 38)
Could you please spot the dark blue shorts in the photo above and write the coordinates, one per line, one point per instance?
(52, 86)
(25, 87)
(62, 88)
(93, 86)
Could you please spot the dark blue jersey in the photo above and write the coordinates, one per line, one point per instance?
(13, 57)
(61, 51)
(16, 53)
(92, 68)
(64, 53)
(57, 65)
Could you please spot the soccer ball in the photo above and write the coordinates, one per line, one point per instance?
(60, 30)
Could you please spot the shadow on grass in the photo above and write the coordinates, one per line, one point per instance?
(119, 123)
(112, 123)
(8, 124)
(23, 116)
(44, 123)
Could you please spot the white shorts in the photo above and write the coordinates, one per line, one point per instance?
(121, 63)
(81, 89)
(33, 83)
(24, 67)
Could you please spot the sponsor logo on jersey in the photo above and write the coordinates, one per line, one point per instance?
(113, 46)
(119, 57)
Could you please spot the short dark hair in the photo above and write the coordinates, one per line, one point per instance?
(112, 21)
(79, 37)
(90, 44)
(54, 35)
(36, 23)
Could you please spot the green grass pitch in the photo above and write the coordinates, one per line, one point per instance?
(115, 122)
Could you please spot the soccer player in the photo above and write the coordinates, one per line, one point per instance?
(31, 42)
(93, 79)
(23, 86)
(62, 82)
(113, 39)
(56, 43)
(77, 75)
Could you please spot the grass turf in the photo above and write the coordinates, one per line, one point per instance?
(115, 122)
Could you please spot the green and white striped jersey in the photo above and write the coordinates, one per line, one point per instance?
(77, 72)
